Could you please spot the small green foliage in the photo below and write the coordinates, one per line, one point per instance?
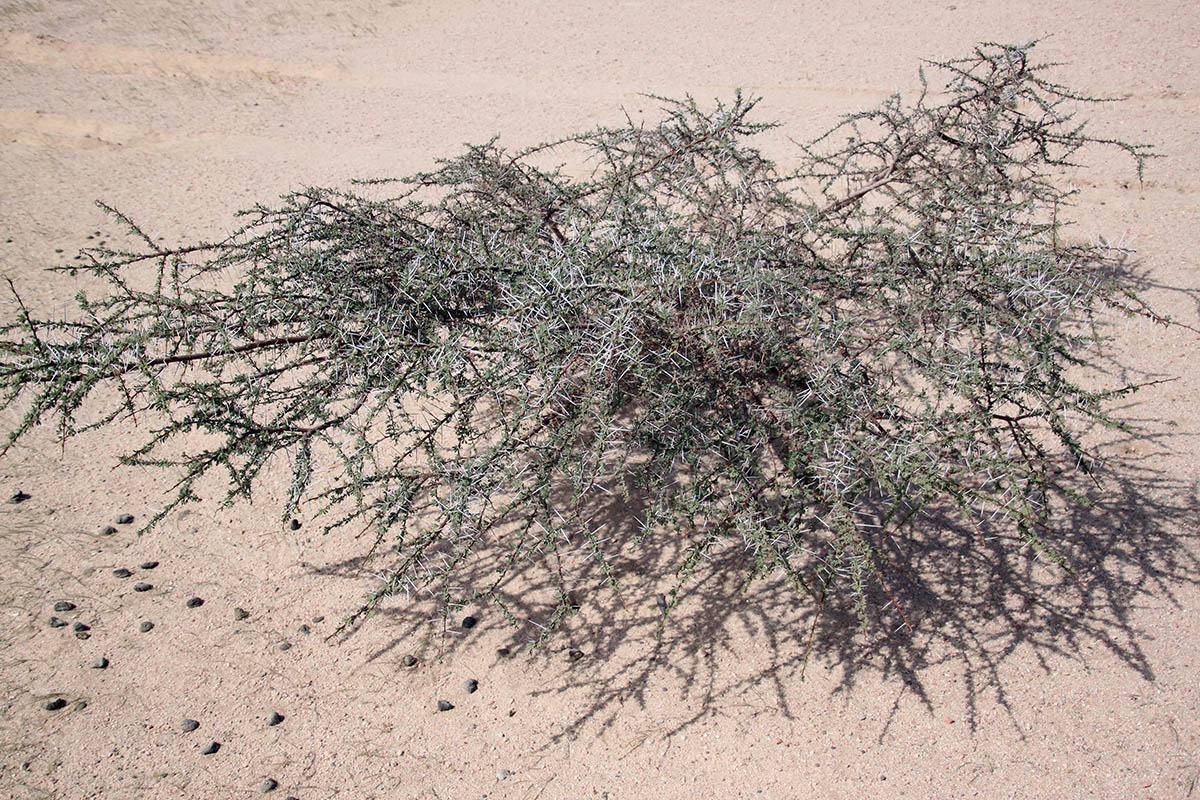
(795, 361)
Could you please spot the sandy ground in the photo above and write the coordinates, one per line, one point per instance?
(181, 114)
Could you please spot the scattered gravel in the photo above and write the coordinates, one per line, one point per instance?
(189, 725)
(240, 613)
(55, 704)
(444, 705)
(55, 622)
(142, 587)
(149, 564)
(212, 748)
(194, 602)
(125, 519)
(275, 718)
(64, 605)
(470, 686)
(409, 660)
(99, 663)
(146, 626)
(121, 572)
(469, 622)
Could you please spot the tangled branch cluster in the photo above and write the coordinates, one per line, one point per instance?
(794, 361)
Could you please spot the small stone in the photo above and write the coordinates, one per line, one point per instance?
(79, 626)
(58, 249)
(305, 629)
(149, 564)
(275, 718)
(82, 635)
(470, 686)
(125, 519)
(504, 652)
(80, 705)
(318, 619)
(55, 622)
(212, 748)
(409, 660)
(503, 774)
(269, 785)
(189, 725)
(240, 613)
(99, 663)
(469, 622)
(194, 602)
(19, 497)
(121, 572)
(146, 626)
(142, 587)
(285, 646)
(295, 524)
(64, 605)
(444, 705)
(661, 602)
(574, 655)
(107, 530)
(55, 704)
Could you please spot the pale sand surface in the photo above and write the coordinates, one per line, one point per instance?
(181, 115)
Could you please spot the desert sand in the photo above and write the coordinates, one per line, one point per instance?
(181, 114)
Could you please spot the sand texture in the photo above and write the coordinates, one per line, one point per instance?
(181, 114)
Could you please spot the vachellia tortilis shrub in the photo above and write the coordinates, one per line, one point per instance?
(794, 361)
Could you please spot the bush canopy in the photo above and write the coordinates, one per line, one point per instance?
(794, 361)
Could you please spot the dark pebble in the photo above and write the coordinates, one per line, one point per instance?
(64, 605)
(55, 704)
(125, 519)
(212, 748)
(146, 626)
(82, 635)
(269, 785)
(58, 249)
(121, 572)
(194, 602)
(55, 622)
(469, 622)
(285, 646)
(275, 718)
(240, 613)
(305, 629)
(504, 652)
(79, 626)
(19, 497)
(444, 705)
(318, 619)
(574, 655)
(470, 686)
(142, 587)
(149, 564)
(99, 663)
(107, 530)
(409, 660)
(661, 602)
(189, 725)
(295, 525)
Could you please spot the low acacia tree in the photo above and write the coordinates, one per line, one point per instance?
(795, 361)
